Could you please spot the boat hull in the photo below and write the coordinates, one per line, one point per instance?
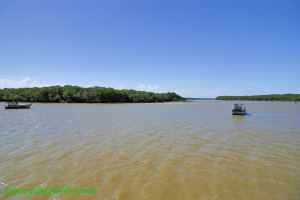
(18, 107)
(238, 112)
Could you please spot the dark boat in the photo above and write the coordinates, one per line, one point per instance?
(17, 105)
(238, 109)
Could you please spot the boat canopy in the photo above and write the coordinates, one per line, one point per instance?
(239, 106)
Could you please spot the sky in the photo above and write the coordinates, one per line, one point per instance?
(201, 48)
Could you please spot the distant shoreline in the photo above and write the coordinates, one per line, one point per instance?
(76, 94)
(95, 103)
(270, 97)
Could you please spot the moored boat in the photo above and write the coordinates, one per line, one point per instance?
(238, 109)
(17, 105)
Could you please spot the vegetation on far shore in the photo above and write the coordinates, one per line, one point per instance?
(270, 97)
(76, 94)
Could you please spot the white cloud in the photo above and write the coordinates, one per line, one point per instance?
(155, 88)
(25, 82)
(120, 87)
(28, 82)
(148, 88)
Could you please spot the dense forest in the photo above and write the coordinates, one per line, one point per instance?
(77, 94)
(270, 97)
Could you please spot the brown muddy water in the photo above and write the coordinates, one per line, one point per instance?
(192, 150)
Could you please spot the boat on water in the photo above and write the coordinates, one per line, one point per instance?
(17, 105)
(239, 109)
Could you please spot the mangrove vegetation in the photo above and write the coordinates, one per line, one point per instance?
(270, 97)
(76, 94)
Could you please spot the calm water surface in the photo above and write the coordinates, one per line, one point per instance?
(194, 150)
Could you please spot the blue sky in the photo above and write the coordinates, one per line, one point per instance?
(202, 48)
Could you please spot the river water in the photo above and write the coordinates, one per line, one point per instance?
(163, 151)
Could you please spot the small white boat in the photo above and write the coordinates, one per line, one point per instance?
(17, 105)
(238, 109)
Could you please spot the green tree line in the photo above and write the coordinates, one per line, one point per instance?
(78, 94)
(270, 97)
